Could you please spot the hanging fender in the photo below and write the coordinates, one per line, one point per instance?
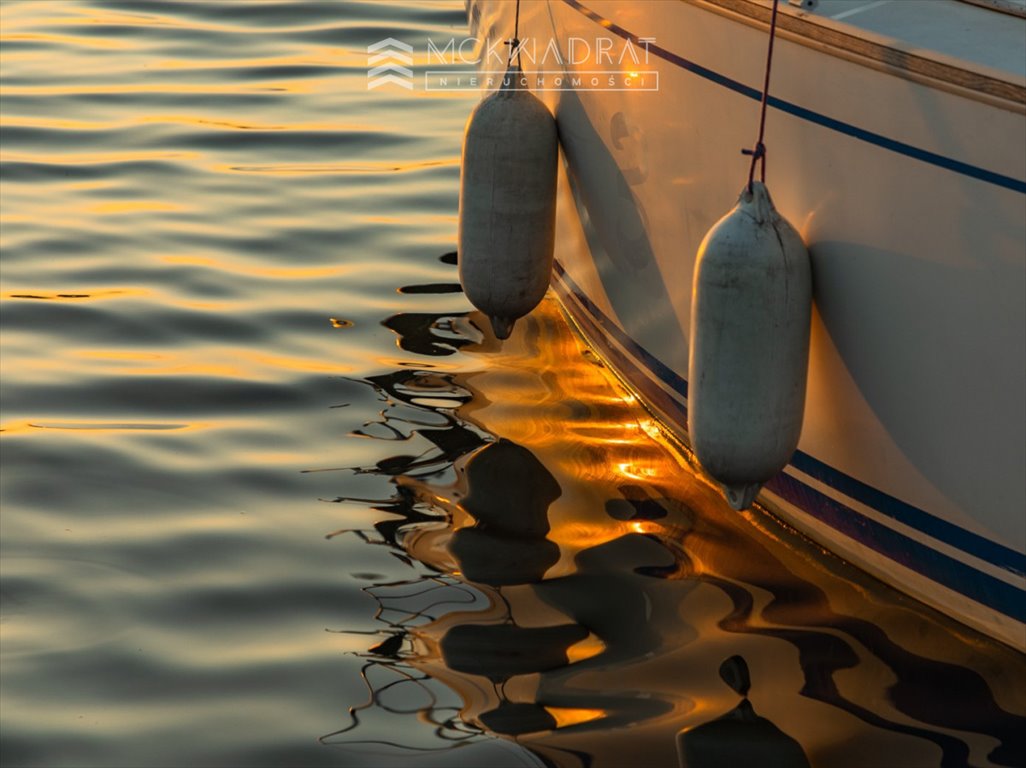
(507, 209)
(750, 319)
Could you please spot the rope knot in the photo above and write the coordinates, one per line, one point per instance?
(756, 154)
(514, 48)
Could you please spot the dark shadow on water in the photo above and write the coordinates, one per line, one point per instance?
(740, 737)
(502, 651)
(426, 334)
(437, 288)
(508, 495)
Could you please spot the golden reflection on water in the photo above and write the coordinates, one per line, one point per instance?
(256, 270)
(70, 157)
(185, 120)
(132, 206)
(632, 548)
(565, 717)
(291, 169)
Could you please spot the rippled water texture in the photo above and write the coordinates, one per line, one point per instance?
(273, 495)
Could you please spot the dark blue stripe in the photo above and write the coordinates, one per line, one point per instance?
(964, 579)
(658, 368)
(862, 134)
(941, 568)
(896, 509)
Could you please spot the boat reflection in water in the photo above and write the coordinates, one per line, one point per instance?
(590, 599)
(739, 737)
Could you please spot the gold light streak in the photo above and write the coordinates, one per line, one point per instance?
(566, 717)
(635, 472)
(100, 158)
(26, 426)
(363, 167)
(221, 362)
(258, 270)
(115, 207)
(587, 648)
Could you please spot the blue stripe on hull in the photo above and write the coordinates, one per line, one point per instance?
(1003, 597)
(957, 576)
(896, 509)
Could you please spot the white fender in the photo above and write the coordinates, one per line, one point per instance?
(750, 318)
(508, 203)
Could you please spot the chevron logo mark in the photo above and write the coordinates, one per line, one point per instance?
(385, 60)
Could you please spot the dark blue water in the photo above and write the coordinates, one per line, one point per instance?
(274, 496)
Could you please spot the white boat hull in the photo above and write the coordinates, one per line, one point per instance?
(911, 197)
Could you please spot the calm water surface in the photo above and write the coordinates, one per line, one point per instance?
(274, 496)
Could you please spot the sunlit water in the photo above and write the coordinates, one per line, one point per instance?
(273, 495)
